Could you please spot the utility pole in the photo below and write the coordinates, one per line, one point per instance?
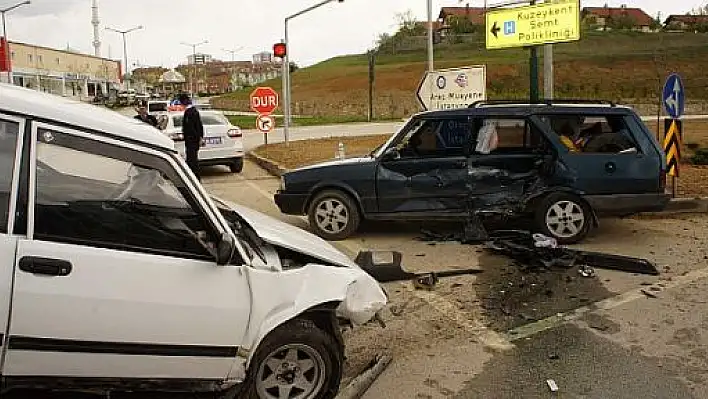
(125, 50)
(286, 66)
(533, 71)
(431, 55)
(548, 71)
(194, 63)
(372, 64)
(7, 42)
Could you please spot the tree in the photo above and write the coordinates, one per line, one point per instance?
(407, 24)
(656, 23)
(460, 25)
(621, 22)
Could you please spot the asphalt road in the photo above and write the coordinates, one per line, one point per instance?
(254, 138)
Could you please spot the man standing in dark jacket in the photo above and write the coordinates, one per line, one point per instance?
(193, 132)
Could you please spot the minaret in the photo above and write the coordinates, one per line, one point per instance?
(96, 22)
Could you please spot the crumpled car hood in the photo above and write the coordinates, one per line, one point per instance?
(284, 235)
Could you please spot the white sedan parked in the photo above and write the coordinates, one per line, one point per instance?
(224, 141)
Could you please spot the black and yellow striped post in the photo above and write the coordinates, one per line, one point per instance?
(673, 137)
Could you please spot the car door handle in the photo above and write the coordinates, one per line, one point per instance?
(610, 167)
(461, 164)
(45, 266)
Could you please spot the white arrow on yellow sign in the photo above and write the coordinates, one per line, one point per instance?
(552, 22)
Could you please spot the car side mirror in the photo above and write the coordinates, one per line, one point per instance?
(225, 249)
(391, 154)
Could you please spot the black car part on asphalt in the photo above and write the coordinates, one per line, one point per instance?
(391, 269)
(526, 250)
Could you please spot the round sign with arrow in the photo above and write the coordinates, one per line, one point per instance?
(673, 96)
(265, 123)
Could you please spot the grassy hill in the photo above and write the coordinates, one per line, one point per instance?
(627, 66)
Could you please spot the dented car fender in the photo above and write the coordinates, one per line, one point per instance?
(291, 293)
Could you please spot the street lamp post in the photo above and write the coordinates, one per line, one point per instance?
(231, 68)
(286, 65)
(4, 35)
(430, 36)
(232, 52)
(125, 50)
(194, 62)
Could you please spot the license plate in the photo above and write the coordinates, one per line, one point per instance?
(213, 140)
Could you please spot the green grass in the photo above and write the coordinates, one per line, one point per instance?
(627, 66)
(249, 122)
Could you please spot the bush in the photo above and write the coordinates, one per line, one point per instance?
(700, 157)
(693, 146)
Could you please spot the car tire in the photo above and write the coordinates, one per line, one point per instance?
(310, 347)
(236, 166)
(333, 215)
(565, 217)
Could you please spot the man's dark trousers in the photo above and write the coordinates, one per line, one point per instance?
(192, 154)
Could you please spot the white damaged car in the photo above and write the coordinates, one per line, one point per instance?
(120, 272)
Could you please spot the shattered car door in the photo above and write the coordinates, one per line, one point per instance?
(421, 184)
(431, 171)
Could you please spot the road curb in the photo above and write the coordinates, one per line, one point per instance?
(683, 205)
(675, 207)
(269, 165)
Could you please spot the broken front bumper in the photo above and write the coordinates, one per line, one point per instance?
(364, 299)
(290, 204)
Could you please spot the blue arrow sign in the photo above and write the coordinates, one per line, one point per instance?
(673, 96)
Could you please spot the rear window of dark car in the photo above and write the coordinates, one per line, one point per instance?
(157, 107)
(207, 119)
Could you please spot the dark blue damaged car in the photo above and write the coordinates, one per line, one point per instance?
(561, 164)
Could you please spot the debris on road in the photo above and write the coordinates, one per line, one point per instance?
(523, 247)
(649, 293)
(552, 385)
(386, 267)
(361, 383)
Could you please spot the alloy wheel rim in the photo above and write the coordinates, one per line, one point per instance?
(565, 219)
(294, 371)
(331, 216)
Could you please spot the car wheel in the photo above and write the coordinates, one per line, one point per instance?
(236, 166)
(334, 215)
(564, 217)
(297, 360)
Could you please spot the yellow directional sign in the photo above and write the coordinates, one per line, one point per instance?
(552, 22)
(672, 145)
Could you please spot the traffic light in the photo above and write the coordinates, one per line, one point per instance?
(280, 50)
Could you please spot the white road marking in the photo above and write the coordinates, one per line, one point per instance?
(258, 189)
(531, 329)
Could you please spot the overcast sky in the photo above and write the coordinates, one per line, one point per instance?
(334, 29)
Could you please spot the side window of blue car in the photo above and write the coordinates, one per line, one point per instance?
(592, 134)
(436, 138)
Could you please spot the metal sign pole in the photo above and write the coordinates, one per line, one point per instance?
(533, 70)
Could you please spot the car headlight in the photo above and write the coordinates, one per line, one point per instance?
(282, 183)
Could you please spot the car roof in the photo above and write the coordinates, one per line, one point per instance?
(61, 110)
(522, 110)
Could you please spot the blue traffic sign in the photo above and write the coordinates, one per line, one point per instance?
(673, 96)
